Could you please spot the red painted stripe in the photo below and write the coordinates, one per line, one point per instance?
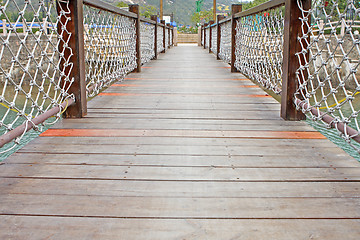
(180, 133)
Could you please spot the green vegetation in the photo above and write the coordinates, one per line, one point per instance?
(184, 29)
(202, 16)
(145, 10)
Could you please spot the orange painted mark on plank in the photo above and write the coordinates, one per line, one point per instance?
(183, 94)
(181, 133)
(146, 67)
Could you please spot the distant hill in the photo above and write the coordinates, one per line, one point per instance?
(182, 9)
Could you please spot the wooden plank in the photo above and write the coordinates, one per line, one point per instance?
(156, 173)
(227, 151)
(78, 187)
(186, 141)
(173, 126)
(221, 122)
(244, 161)
(175, 207)
(23, 227)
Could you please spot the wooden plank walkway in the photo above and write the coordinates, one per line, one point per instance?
(183, 150)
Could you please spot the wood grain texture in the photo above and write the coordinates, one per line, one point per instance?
(181, 151)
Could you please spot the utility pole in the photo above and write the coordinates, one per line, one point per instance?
(161, 10)
(214, 10)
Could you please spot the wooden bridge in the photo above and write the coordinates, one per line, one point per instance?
(183, 150)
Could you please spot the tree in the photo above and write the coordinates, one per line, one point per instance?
(253, 4)
(122, 4)
(148, 10)
(205, 15)
(145, 11)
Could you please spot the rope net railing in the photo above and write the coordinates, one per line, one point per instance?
(167, 38)
(214, 39)
(328, 75)
(171, 37)
(35, 64)
(207, 35)
(147, 42)
(160, 37)
(259, 47)
(225, 42)
(110, 48)
(42, 64)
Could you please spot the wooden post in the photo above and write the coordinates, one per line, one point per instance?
(218, 29)
(235, 8)
(161, 10)
(76, 43)
(168, 29)
(154, 18)
(214, 10)
(164, 35)
(134, 8)
(175, 37)
(210, 31)
(4, 27)
(292, 29)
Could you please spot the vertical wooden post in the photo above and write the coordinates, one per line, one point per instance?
(235, 8)
(164, 35)
(218, 41)
(214, 10)
(4, 27)
(210, 34)
(134, 8)
(154, 18)
(76, 43)
(175, 37)
(292, 28)
(168, 29)
(161, 10)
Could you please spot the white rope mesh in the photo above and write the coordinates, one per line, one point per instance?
(171, 37)
(207, 43)
(147, 35)
(110, 48)
(259, 47)
(33, 78)
(225, 42)
(329, 75)
(160, 37)
(166, 38)
(214, 39)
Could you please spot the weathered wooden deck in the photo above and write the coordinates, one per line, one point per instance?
(183, 150)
